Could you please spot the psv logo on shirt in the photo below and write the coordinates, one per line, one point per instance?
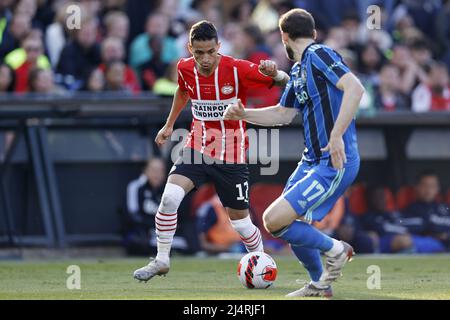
(227, 89)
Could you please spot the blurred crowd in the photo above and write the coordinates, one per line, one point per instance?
(401, 55)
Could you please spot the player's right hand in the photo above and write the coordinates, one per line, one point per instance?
(235, 111)
(163, 135)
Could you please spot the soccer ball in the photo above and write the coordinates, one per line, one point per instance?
(257, 270)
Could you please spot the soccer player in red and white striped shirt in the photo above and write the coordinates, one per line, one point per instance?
(216, 148)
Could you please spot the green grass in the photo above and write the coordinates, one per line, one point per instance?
(405, 277)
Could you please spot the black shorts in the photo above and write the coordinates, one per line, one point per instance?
(230, 180)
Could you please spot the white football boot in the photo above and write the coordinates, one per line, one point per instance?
(334, 265)
(310, 290)
(154, 268)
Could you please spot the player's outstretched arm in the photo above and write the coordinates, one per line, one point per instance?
(180, 99)
(269, 116)
(270, 68)
(353, 92)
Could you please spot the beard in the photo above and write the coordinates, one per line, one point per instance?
(289, 52)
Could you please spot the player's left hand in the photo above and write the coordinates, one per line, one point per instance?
(336, 148)
(235, 111)
(268, 68)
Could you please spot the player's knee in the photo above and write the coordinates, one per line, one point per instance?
(270, 221)
(171, 198)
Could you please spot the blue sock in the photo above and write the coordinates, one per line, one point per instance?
(310, 258)
(300, 233)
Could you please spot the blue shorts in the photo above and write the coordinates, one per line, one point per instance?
(312, 190)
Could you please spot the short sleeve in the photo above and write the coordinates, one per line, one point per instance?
(288, 98)
(251, 77)
(329, 63)
(181, 82)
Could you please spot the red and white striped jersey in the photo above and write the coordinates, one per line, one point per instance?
(210, 96)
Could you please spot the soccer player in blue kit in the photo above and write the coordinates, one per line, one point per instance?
(327, 95)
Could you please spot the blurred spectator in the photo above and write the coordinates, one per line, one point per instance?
(140, 52)
(42, 81)
(214, 228)
(410, 71)
(80, 55)
(421, 52)
(351, 231)
(7, 79)
(143, 198)
(112, 49)
(56, 34)
(29, 8)
(113, 5)
(33, 49)
(387, 95)
(253, 45)
(337, 38)
(254, 50)
(393, 237)
(398, 232)
(138, 12)
(117, 25)
(14, 33)
(91, 8)
(96, 81)
(115, 77)
(167, 85)
(330, 12)
(421, 13)
(433, 95)
(155, 68)
(371, 60)
(427, 216)
(442, 31)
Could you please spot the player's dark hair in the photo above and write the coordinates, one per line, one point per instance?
(297, 23)
(203, 31)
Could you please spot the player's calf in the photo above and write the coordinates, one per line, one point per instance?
(166, 219)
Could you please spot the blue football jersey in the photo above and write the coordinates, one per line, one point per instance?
(312, 91)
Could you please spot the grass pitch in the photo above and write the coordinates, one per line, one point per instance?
(402, 277)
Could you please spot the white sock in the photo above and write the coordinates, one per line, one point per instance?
(250, 234)
(166, 225)
(166, 220)
(336, 249)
